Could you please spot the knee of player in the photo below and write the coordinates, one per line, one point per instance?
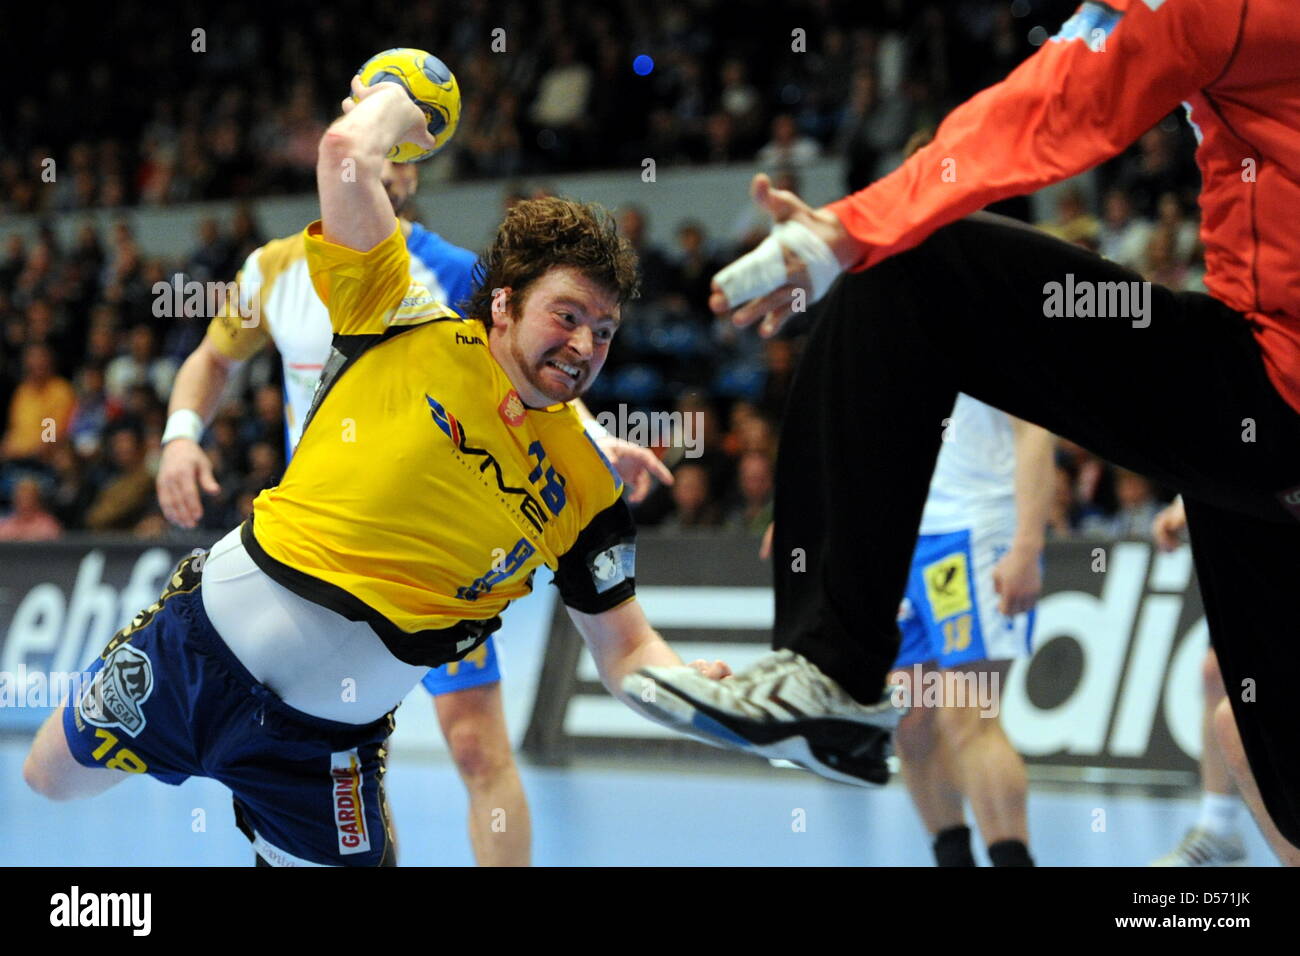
(960, 724)
(478, 754)
(916, 734)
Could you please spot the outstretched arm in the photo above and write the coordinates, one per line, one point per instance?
(622, 641)
(1111, 72)
(355, 209)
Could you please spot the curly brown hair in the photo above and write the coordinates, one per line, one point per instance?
(540, 234)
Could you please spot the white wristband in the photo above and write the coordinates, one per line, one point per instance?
(596, 430)
(183, 423)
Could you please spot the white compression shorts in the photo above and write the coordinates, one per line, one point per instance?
(312, 658)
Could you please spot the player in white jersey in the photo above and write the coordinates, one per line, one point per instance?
(966, 615)
(277, 304)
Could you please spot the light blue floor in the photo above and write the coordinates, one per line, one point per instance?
(590, 816)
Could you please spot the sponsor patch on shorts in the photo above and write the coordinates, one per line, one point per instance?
(349, 804)
(947, 585)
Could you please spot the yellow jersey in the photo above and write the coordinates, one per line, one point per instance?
(423, 493)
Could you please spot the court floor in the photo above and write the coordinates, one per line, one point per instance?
(596, 815)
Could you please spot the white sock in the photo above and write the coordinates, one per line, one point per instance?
(1219, 813)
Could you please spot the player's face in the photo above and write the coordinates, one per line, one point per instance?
(400, 180)
(556, 344)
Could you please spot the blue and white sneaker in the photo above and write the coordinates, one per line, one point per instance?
(783, 707)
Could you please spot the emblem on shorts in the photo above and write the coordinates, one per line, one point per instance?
(947, 586)
(512, 409)
(115, 698)
(349, 805)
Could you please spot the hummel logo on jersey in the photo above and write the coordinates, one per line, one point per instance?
(468, 339)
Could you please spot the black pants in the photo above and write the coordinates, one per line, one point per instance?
(1184, 400)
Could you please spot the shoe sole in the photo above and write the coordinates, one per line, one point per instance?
(845, 751)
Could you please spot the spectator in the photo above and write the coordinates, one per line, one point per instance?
(655, 269)
(1162, 264)
(29, 520)
(140, 366)
(693, 504)
(1073, 222)
(740, 101)
(127, 493)
(752, 512)
(1123, 237)
(689, 276)
(873, 131)
(213, 259)
(787, 148)
(1137, 509)
(94, 412)
(40, 409)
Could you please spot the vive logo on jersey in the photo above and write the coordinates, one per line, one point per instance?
(116, 696)
(349, 804)
(552, 491)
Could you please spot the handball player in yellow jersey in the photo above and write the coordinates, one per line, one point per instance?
(440, 465)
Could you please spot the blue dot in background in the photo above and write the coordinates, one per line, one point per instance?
(642, 65)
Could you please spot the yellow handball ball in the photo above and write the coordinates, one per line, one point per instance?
(429, 83)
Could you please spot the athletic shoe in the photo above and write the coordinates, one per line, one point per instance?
(1202, 848)
(782, 707)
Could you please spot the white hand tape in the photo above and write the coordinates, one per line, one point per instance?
(823, 267)
(762, 270)
(755, 274)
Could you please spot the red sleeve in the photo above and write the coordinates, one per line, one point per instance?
(1108, 76)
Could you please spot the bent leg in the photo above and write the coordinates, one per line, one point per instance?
(474, 723)
(1163, 392)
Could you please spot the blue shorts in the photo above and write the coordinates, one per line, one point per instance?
(478, 667)
(950, 611)
(168, 698)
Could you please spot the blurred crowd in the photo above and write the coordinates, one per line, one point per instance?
(197, 104)
(86, 366)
